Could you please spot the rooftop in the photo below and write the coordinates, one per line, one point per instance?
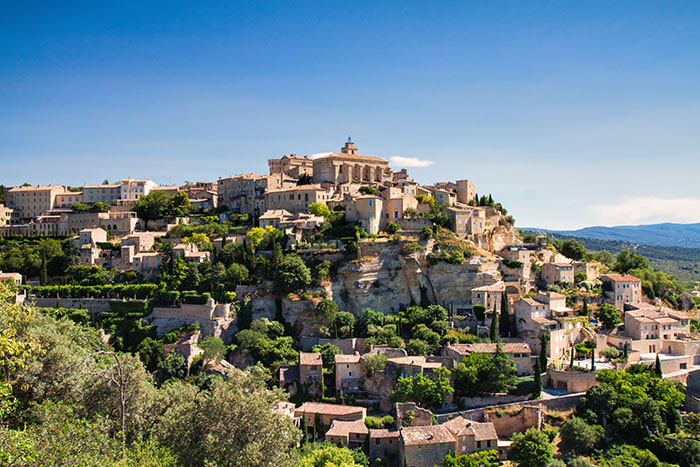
(330, 409)
(621, 278)
(383, 433)
(420, 435)
(344, 428)
(310, 358)
(481, 431)
(344, 358)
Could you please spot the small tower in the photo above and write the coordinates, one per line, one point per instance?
(349, 148)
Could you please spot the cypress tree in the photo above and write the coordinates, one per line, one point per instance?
(44, 277)
(584, 311)
(544, 339)
(625, 350)
(493, 332)
(304, 429)
(657, 367)
(504, 323)
(593, 360)
(538, 380)
(572, 357)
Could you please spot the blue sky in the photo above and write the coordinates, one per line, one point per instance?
(570, 113)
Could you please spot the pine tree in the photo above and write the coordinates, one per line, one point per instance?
(493, 332)
(504, 323)
(657, 367)
(538, 380)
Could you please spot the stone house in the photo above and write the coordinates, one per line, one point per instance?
(131, 189)
(622, 289)
(14, 277)
(415, 365)
(91, 237)
(384, 444)
(467, 221)
(592, 270)
(472, 436)
(558, 272)
(190, 253)
(425, 446)
(350, 433)
(328, 413)
(395, 203)
(296, 199)
(311, 372)
(488, 295)
(291, 165)
(650, 322)
(67, 199)
(104, 193)
(365, 209)
(348, 371)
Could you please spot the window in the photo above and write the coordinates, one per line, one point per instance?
(377, 441)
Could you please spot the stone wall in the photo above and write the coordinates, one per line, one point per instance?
(515, 419)
(475, 402)
(570, 381)
(413, 415)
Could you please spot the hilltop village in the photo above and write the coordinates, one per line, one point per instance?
(388, 323)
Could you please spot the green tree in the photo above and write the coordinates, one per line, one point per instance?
(214, 348)
(159, 204)
(233, 423)
(424, 391)
(578, 437)
(392, 228)
(493, 331)
(328, 352)
(628, 260)
(538, 380)
(319, 209)
(584, 310)
(531, 449)
(151, 353)
(481, 374)
(329, 455)
(374, 363)
(504, 321)
(292, 275)
(572, 248)
(608, 315)
(172, 366)
(325, 313)
(544, 344)
(657, 367)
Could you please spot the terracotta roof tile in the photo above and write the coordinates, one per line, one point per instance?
(419, 435)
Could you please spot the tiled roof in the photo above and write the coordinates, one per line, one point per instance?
(275, 214)
(460, 426)
(329, 409)
(310, 358)
(343, 358)
(358, 157)
(621, 278)
(344, 428)
(431, 434)
(383, 433)
(497, 287)
(299, 188)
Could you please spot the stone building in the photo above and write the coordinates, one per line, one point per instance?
(425, 446)
(472, 436)
(558, 272)
(467, 221)
(32, 201)
(292, 166)
(296, 199)
(518, 352)
(349, 433)
(384, 444)
(131, 189)
(328, 413)
(104, 193)
(622, 289)
(348, 371)
(311, 372)
(348, 166)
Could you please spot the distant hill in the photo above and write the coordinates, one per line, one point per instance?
(684, 263)
(668, 234)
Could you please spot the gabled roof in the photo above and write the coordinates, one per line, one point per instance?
(621, 278)
(343, 358)
(490, 348)
(310, 358)
(461, 426)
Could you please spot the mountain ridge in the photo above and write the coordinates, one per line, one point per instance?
(663, 234)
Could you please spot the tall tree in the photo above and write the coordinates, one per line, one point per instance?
(544, 341)
(593, 360)
(504, 323)
(44, 277)
(657, 367)
(584, 310)
(538, 380)
(493, 334)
